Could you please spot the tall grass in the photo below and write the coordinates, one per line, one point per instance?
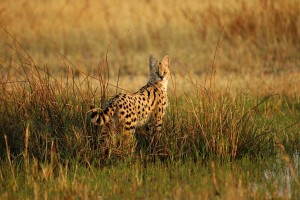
(237, 101)
(51, 151)
(50, 115)
(259, 36)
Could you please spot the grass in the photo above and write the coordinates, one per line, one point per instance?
(253, 43)
(232, 126)
(175, 180)
(50, 151)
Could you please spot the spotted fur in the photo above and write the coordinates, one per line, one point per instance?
(146, 105)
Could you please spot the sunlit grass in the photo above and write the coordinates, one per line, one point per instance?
(232, 125)
(259, 37)
(242, 179)
(48, 139)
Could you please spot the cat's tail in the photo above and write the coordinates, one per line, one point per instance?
(100, 118)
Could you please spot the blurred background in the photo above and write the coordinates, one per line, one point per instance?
(254, 45)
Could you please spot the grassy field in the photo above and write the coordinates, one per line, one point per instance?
(232, 126)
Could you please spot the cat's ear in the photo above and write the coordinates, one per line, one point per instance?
(166, 60)
(152, 62)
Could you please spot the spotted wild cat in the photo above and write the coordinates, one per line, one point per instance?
(146, 106)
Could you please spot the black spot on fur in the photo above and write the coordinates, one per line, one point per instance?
(128, 115)
(154, 97)
(94, 114)
(106, 111)
(148, 93)
(98, 120)
(103, 119)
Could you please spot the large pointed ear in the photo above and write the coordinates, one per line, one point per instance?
(166, 60)
(152, 62)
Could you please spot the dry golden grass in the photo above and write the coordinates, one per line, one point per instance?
(258, 51)
(216, 141)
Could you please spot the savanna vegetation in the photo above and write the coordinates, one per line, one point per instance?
(232, 126)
